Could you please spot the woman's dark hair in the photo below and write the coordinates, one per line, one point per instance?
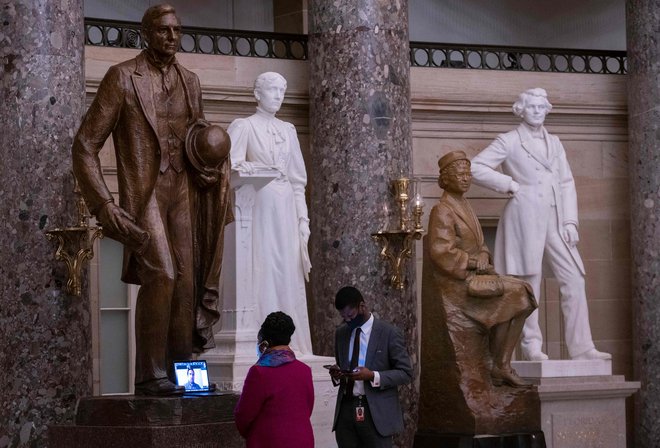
(277, 329)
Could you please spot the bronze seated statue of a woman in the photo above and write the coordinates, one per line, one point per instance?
(476, 300)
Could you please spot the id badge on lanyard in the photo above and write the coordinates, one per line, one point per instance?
(359, 411)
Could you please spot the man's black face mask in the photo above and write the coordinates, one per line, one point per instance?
(357, 321)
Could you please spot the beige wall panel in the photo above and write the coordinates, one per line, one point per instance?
(488, 208)
(595, 239)
(494, 91)
(603, 198)
(428, 150)
(550, 301)
(621, 239)
(610, 320)
(621, 363)
(608, 279)
(477, 191)
(550, 289)
(550, 318)
(231, 72)
(615, 159)
(585, 158)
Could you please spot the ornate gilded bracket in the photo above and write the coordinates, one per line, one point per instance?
(75, 245)
(398, 243)
(397, 248)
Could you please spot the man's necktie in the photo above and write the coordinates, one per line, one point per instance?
(165, 80)
(355, 356)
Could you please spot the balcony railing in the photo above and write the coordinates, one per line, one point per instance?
(113, 33)
(423, 54)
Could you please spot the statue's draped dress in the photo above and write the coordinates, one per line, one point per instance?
(278, 252)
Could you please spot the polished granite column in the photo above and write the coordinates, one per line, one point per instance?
(360, 141)
(643, 27)
(45, 348)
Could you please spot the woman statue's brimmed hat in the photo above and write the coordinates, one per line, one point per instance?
(450, 158)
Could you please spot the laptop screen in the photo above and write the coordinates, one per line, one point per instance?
(193, 375)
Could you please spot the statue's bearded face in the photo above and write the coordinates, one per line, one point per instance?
(164, 35)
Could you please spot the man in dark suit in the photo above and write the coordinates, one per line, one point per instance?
(170, 217)
(368, 372)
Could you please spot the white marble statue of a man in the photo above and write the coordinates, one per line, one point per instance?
(540, 220)
(280, 223)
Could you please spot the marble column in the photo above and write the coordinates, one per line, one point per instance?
(360, 141)
(643, 28)
(45, 348)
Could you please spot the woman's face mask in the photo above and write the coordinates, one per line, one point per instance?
(262, 346)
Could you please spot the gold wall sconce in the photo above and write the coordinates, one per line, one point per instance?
(75, 245)
(398, 243)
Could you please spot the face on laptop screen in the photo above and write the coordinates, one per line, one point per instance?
(193, 375)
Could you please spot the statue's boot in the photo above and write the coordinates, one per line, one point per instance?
(507, 377)
(503, 341)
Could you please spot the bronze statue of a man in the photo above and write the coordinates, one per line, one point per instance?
(172, 173)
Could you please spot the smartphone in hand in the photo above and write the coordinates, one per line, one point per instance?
(336, 367)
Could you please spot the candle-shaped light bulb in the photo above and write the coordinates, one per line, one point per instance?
(419, 202)
(418, 211)
(386, 217)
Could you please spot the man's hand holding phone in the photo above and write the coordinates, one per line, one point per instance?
(358, 374)
(335, 372)
(361, 374)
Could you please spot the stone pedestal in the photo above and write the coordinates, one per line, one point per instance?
(562, 368)
(236, 341)
(213, 435)
(144, 422)
(580, 406)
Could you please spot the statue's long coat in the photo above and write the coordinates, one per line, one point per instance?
(124, 107)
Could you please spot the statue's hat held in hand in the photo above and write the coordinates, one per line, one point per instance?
(207, 146)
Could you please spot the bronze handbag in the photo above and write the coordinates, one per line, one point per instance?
(487, 285)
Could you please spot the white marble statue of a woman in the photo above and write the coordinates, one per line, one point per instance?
(279, 215)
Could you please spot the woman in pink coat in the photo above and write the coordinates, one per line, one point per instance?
(278, 394)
